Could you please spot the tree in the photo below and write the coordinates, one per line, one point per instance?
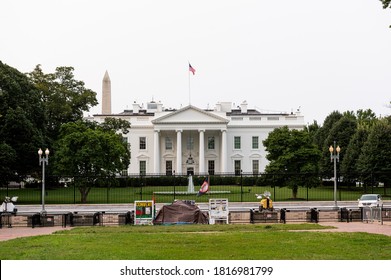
(376, 152)
(88, 151)
(64, 97)
(313, 129)
(341, 132)
(386, 4)
(349, 166)
(22, 123)
(293, 158)
(322, 133)
(116, 125)
(365, 120)
(7, 160)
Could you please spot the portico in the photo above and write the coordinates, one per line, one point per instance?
(190, 133)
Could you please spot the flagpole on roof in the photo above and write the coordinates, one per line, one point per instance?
(192, 70)
(189, 86)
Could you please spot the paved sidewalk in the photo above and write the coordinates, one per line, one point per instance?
(375, 228)
(16, 232)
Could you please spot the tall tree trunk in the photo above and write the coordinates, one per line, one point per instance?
(295, 190)
(84, 191)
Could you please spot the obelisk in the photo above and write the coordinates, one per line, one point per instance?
(106, 95)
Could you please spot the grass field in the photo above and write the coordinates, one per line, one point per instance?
(199, 242)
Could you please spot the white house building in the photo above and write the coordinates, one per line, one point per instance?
(194, 140)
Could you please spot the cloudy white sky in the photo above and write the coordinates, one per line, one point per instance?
(277, 55)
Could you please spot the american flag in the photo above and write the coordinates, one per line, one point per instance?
(204, 187)
(191, 69)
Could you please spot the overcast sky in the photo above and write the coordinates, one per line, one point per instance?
(319, 56)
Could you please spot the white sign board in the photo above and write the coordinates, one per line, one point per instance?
(218, 210)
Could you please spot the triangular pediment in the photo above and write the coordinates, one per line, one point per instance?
(190, 114)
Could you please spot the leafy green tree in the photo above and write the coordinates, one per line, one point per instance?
(64, 98)
(349, 166)
(375, 158)
(322, 133)
(88, 151)
(293, 158)
(313, 129)
(386, 4)
(22, 123)
(365, 120)
(7, 160)
(116, 125)
(341, 132)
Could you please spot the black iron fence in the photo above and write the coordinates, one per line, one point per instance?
(166, 188)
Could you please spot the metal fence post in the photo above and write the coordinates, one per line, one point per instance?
(74, 191)
(307, 192)
(107, 192)
(241, 185)
(141, 187)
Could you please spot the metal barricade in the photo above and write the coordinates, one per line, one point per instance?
(371, 214)
(5, 219)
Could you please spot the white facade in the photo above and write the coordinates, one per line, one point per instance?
(223, 140)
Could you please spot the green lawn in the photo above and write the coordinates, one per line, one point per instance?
(129, 194)
(199, 242)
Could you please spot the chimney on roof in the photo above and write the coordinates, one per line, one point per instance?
(136, 108)
(243, 107)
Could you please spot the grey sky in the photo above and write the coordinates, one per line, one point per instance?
(277, 55)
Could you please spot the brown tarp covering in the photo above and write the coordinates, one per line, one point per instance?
(180, 212)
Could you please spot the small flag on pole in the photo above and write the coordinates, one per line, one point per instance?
(204, 188)
(191, 69)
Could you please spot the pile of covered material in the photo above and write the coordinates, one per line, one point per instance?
(180, 212)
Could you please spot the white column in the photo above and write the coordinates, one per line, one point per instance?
(179, 151)
(156, 152)
(223, 151)
(202, 152)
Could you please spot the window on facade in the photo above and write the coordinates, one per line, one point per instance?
(211, 143)
(255, 166)
(190, 143)
(255, 142)
(238, 167)
(169, 167)
(168, 143)
(143, 167)
(237, 142)
(125, 140)
(143, 143)
(211, 167)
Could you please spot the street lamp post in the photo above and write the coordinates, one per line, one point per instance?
(43, 161)
(334, 156)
